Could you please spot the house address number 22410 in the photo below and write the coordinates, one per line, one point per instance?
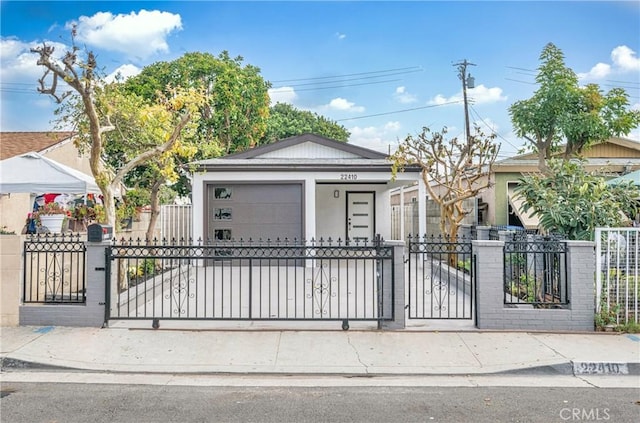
(348, 176)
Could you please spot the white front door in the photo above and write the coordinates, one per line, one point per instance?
(360, 216)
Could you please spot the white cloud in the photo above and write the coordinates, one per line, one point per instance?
(634, 135)
(124, 72)
(599, 71)
(136, 34)
(282, 95)
(625, 59)
(486, 125)
(477, 95)
(341, 36)
(343, 105)
(402, 96)
(439, 99)
(19, 64)
(377, 138)
(484, 95)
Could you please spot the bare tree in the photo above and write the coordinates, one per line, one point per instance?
(80, 74)
(452, 170)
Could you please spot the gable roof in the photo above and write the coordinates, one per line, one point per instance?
(614, 153)
(297, 140)
(16, 143)
(616, 141)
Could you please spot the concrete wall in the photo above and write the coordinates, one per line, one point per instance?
(10, 278)
(492, 313)
(14, 209)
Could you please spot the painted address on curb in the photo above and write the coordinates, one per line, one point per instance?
(599, 368)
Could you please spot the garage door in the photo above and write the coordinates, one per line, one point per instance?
(267, 211)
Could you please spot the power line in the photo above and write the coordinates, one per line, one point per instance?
(19, 83)
(350, 79)
(524, 82)
(521, 69)
(624, 82)
(344, 86)
(401, 111)
(415, 69)
(475, 112)
(18, 91)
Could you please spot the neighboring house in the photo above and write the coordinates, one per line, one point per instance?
(498, 204)
(614, 157)
(302, 187)
(57, 146)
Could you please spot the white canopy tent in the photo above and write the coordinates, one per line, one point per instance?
(34, 173)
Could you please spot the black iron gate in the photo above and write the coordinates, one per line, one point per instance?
(54, 269)
(441, 279)
(247, 280)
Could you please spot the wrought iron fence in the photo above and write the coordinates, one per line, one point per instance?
(251, 280)
(441, 278)
(535, 271)
(54, 269)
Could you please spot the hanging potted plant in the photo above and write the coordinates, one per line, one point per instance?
(51, 216)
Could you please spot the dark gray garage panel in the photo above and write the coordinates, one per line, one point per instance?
(267, 211)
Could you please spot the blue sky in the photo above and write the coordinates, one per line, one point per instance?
(382, 69)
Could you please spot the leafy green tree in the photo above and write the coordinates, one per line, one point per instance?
(287, 121)
(232, 119)
(452, 170)
(235, 116)
(573, 202)
(562, 111)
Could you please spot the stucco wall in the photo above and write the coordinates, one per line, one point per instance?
(331, 211)
(13, 211)
(10, 278)
(67, 154)
(500, 205)
(313, 202)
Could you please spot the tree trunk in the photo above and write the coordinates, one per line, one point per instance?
(155, 208)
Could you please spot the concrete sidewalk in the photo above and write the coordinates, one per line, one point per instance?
(353, 352)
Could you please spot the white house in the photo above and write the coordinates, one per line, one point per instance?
(302, 187)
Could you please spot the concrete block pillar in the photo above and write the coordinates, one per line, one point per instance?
(482, 233)
(581, 267)
(394, 287)
(96, 280)
(464, 232)
(505, 235)
(489, 262)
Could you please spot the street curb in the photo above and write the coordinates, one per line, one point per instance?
(8, 364)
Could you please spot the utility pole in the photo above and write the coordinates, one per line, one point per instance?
(467, 82)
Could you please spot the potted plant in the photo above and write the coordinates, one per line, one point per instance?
(51, 216)
(607, 318)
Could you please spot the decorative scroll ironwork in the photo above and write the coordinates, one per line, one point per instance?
(254, 280)
(321, 289)
(54, 269)
(181, 292)
(441, 280)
